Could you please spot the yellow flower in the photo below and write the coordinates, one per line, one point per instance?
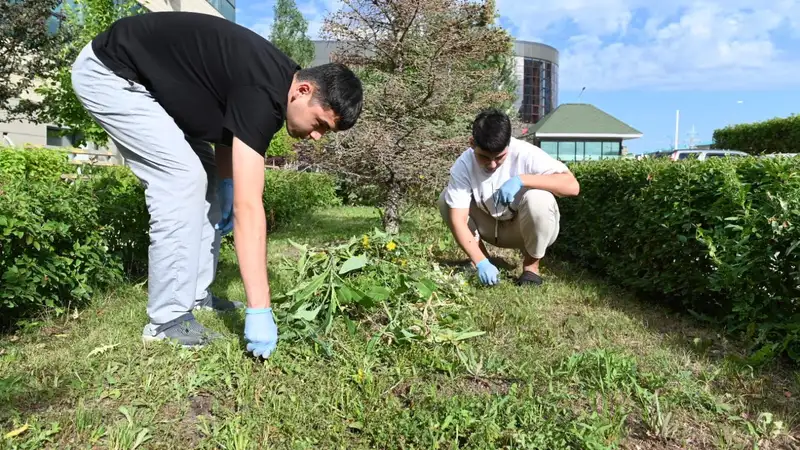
(391, 246)
(403, 263)
(365, 241)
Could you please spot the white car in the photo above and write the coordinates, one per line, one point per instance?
(701, 155)
(780, 155)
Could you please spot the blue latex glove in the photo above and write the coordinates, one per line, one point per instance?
(260, 331)
(225, 193)
(487, 272)
(505, 195)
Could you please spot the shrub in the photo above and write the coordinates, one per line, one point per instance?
(62, 239)
(282, 144)
(123, 216)
(34, 163)
(53, 255)
(719, 237)
(778, 135)
(289, 195)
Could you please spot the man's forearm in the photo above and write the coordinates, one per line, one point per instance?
(560, 184)
(250, 237)
(466, 240)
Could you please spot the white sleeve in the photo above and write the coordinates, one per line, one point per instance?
(539, 162)
(458, 193)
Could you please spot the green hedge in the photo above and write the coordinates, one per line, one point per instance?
(62, 238)
(779, 135)
(289, 195)
(53, 254)
(719, 237)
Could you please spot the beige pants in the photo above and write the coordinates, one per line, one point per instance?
(534, 227)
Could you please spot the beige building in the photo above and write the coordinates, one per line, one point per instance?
(22, 133)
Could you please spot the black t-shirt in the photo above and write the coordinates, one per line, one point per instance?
(215, 78)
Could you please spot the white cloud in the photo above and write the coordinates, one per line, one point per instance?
(622, 44)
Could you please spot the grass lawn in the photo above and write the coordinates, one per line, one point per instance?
(574, 364)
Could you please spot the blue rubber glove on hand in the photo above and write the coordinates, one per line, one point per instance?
(487, 272)
(225, 193)
(505, 195)
(260, 331)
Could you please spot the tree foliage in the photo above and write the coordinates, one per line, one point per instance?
(425, 69)
(28, 50)
(59, 104)
(289, 33)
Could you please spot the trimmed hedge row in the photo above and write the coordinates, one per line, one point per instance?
(62, 239)
(779, 135)
(719, 237)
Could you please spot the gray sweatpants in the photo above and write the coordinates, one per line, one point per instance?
(179, 177)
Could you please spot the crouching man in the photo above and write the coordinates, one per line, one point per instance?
(503, 191)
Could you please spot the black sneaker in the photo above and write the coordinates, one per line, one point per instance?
(529, 278)
(184, 330)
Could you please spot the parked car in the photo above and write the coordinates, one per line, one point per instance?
(781, 155)
(701, 155)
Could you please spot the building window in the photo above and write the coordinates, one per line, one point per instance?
(225, 7)
(551, 148)
(566, 151)
(594, 151)
(611, 150)
(55, 138)
(539, 89)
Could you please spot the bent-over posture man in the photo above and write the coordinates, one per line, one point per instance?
(503, 191)
(166, 85)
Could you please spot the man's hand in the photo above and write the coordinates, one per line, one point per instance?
(260, 331)
(505, 195)
(487, 272)
(225, 193)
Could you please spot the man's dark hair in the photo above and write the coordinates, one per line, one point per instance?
(491, 130)
(338, 89)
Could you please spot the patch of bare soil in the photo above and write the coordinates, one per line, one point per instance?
(183, 421)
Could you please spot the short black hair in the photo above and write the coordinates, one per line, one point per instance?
(491, 130)
(337, 88)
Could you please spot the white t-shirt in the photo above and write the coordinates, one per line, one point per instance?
(468, 179)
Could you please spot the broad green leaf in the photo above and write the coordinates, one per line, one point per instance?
(303, 313)
(379, 293)
(354, 263)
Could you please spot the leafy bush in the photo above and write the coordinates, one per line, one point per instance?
(123, 216)
(61, 238)
(779, 135)
(720, 237)
(53, 255)
(34, 163)
(282, 144)
(289, 195)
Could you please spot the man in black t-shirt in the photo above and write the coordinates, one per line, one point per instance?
(167, 85)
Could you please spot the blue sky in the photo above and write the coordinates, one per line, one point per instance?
(717, 61)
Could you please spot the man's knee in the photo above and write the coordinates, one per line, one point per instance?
(538, 200)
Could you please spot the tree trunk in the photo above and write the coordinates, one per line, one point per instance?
(391, 210)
